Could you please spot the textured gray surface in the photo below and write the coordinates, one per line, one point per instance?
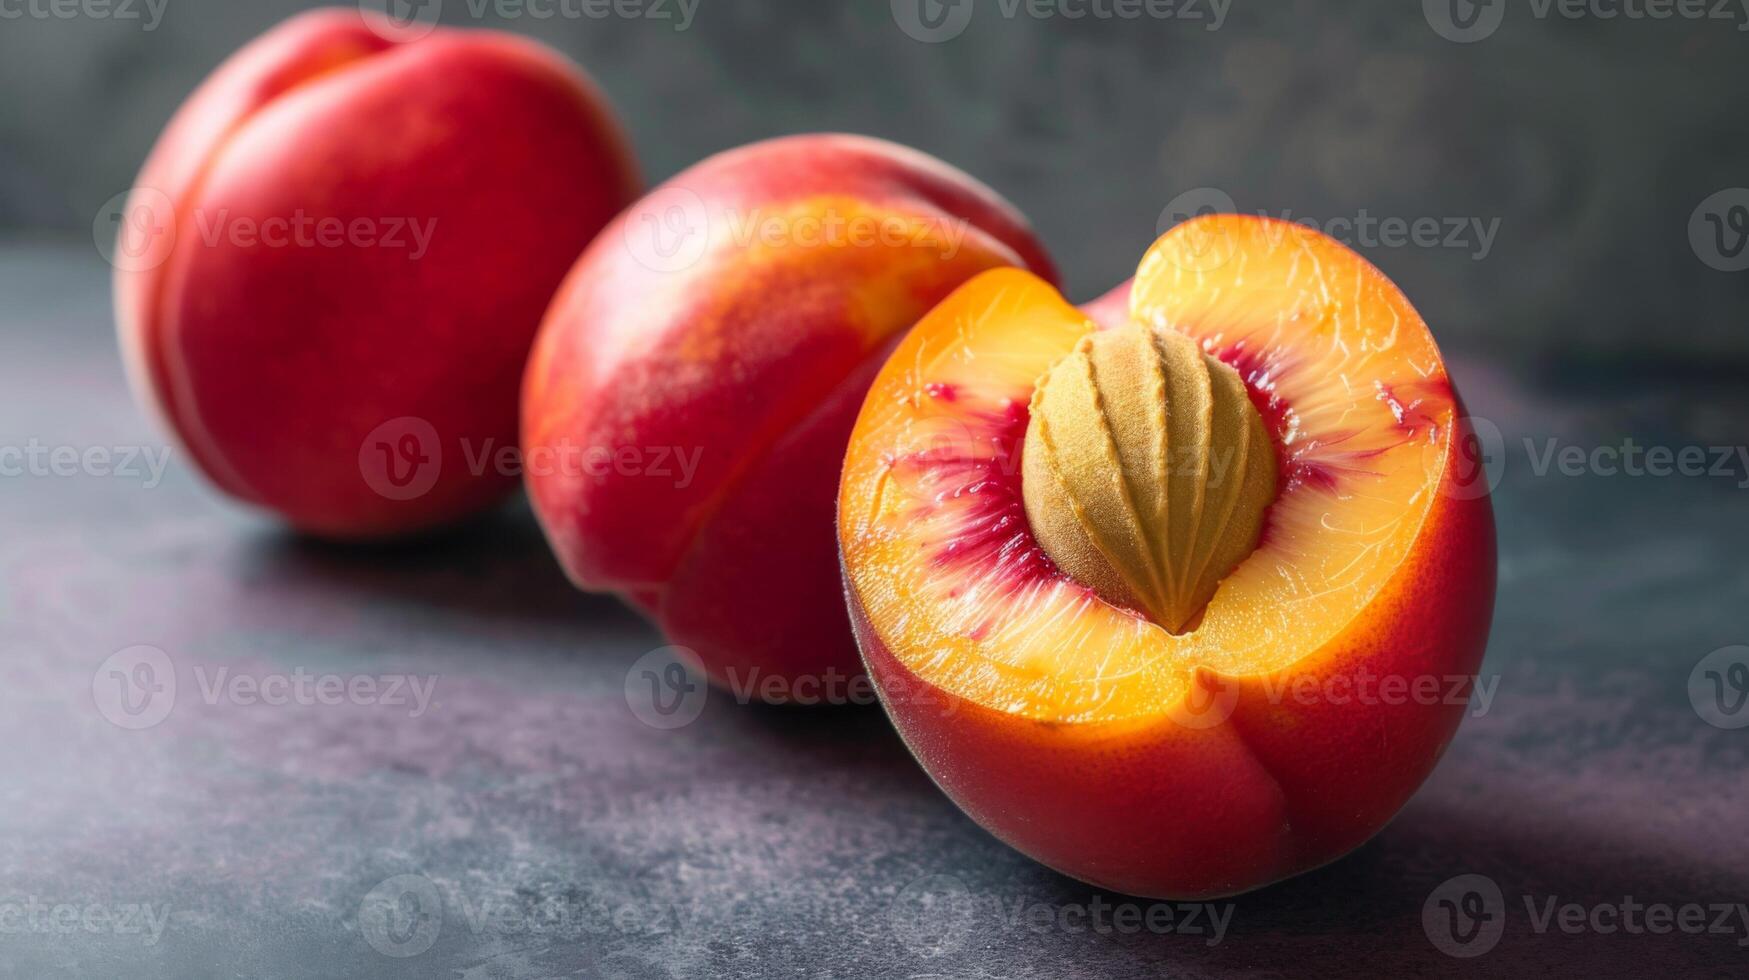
(551, 833)
(1590, 141)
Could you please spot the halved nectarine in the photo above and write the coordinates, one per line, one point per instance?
(1178, 601)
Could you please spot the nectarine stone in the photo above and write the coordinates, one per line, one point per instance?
(1146, 470)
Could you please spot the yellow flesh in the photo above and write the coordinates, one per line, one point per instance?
(1357, 365)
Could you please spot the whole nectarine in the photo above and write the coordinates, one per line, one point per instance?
(333, 264)
(688, 401)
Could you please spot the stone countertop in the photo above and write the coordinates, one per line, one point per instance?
(504, 814)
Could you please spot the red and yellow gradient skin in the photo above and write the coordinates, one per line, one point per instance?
(273, 364)
(1178, 767)
(749, 348)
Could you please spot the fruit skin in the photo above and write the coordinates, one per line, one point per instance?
(754, 356)
(1171, 810)
(273, 365)
(1238, 786)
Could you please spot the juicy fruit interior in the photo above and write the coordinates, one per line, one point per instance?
(942, 557)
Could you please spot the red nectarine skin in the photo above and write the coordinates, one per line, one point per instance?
(1169, 774)
(751, 353)
(466, 171)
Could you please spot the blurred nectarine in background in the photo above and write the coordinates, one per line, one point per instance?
(333, 264)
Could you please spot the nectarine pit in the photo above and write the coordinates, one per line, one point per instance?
(1146, 470)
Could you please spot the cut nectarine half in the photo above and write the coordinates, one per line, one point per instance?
(1181, 600)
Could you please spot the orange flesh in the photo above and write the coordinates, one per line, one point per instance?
(934, 534)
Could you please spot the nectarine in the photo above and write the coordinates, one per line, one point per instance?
(689, 398)
(1118, 638)
(333, 263)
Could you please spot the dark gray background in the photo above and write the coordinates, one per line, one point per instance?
(1590, 140)
(755, 842)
